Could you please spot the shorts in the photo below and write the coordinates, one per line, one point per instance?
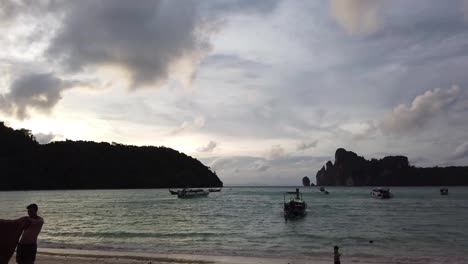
(26, 253)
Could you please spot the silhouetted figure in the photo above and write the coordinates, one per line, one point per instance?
(10, 233)
(27, 246)
(337, 255)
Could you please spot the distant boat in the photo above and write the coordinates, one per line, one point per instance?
(214, 190)
(173, 192)
(295, 207)
(382, 193)
(192, 193)
(443, 191)
(322, 189)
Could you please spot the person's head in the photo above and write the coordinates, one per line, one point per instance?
(336, 248)
(32, 210)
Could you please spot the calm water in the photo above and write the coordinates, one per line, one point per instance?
(417, 225)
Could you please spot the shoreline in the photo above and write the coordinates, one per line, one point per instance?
(81, 256)
(76, 256)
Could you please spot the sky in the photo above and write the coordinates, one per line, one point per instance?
(263, 92)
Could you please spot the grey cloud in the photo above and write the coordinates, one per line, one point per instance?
(461, 151)
(221, 8)
(306, 145)
(44, 138)
(230, 61)
(208, 148)
(260, 165)
(147, 38)
(369, 130)
(8, 10)
(404, 119)
(33, 91)
(357, 16)
(197, 123)
(274, 152)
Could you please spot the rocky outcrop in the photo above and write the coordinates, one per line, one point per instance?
(306, 181)
(349, 169)
(27, 165)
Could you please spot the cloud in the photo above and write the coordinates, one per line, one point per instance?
(261, 165)
(152, 40)
(33, 91)
(464, 8)
(44, 138)
(365, 130)
(208, 148)
(306, 145)
(275, 152)
(197, 123)
(221, 162)
(461, 151)
(357, 16)
(424, 107)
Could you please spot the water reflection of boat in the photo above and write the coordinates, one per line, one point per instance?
(295, 207)
(443, 191)
(382, 193)
(192, 193)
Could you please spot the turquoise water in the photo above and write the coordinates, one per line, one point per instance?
(417, 225)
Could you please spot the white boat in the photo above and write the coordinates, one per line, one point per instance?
(382, 193)
(192, 193)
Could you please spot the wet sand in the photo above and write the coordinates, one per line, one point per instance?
(71, 256)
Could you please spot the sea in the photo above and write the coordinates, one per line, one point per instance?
(417, 226)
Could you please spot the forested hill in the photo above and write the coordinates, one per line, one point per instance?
(27, 165)
(353, 170)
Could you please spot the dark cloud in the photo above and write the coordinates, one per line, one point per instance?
(30, 91)
(147, 38)
(208, 148)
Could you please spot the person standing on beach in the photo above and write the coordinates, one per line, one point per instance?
(27, 246)
(337, 255)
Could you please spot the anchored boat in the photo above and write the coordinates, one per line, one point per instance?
(295, 207)
(192, 193)
(443, 191)
(382, 193)
(173, 192)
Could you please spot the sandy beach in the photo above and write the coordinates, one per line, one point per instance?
(72, 256)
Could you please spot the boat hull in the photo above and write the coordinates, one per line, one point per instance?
(187, 195)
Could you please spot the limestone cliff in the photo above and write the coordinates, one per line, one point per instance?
(349, 169)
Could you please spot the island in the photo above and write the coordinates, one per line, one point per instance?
(27, 165)
(349, 169)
